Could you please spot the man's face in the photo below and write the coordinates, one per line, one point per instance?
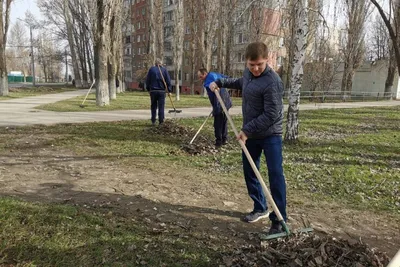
(257, 66)
(201, 76)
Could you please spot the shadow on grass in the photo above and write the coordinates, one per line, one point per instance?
(111, 229)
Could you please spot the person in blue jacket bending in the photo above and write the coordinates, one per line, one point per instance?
(220, 119)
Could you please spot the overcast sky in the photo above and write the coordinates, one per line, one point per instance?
(19, 7)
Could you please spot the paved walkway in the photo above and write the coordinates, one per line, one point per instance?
(19, 112)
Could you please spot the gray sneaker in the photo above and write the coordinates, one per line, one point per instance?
(255, 216)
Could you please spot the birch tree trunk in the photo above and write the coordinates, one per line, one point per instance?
(111, 59)
(101, 52)
(152, 32)
(5, 8)
(300, 46)
(178, 43)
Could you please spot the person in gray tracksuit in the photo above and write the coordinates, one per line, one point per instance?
(262, 108)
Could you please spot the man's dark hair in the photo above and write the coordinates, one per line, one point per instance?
(203, 70)
(256, 50)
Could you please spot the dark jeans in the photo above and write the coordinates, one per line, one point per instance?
(157, 101)
(272, 147)
(220, 128)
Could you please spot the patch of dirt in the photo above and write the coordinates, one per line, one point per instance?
(169, 198)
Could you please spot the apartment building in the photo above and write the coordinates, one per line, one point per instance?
(265, 16)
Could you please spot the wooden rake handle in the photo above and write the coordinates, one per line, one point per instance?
(201, 127)
(248, 156)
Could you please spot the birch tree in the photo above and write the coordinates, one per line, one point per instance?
(299, 54)
(178, 43)
(5, 9)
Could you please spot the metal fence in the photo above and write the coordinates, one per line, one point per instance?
(339, 96)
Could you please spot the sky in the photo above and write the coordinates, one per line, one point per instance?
(19, 7)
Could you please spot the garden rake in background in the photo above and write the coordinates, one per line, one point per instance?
(270, 200)
(169, 95)
(81, 105)
(201, 127)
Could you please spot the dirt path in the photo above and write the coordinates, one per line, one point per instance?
(205, 206)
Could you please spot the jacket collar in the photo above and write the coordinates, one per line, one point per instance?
(250, 75)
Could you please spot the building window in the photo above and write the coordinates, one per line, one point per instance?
(168, 61)
(187, 30)
(128, 51)
(214, 61)
(186, 45)
(138, 25)
(168, 16)
(138, 38)
(186, 76)
(187, 61)
(240, 57)
(168, 31)
(139, 50)
(143, 11)
(127, 39)
(167, 46)
(241, 38)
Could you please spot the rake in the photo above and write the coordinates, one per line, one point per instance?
(81, 105)
(270, 200)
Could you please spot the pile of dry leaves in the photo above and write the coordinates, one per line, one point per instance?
(308, 251)
(202, 145)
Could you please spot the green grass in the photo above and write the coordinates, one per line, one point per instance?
(34, 91)
(350, 155)
(61, 235)
(128, 101)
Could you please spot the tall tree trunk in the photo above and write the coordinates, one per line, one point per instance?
(69, 26)
(101, 54)
(152, 33)
(301, 32)
(111, 59)
(390, 75)
(178, 43)
(89, 59)
(4, 25)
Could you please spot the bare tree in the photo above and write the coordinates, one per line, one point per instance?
(18, 53)
(178, 43)
(394, 33)
(5, 8)
(356, 14)
(300, 46)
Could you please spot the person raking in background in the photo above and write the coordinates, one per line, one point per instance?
(220, 120)
(155, 85)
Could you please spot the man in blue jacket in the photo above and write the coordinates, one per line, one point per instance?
(155, 85)
(220, 119)
(262, 108)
